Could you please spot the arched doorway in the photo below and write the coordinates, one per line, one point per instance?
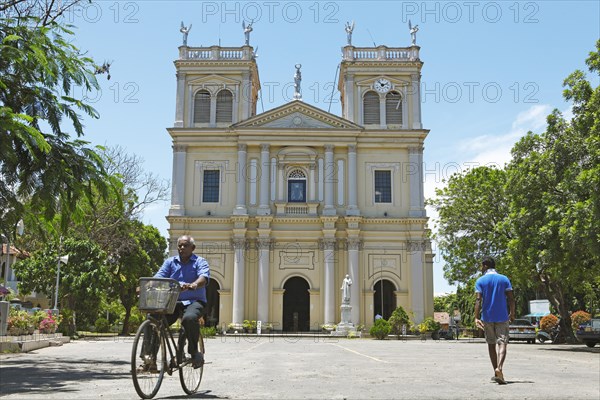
(386, 296)
(296, 305)
(213, 306)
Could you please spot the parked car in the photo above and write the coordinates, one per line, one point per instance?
(589, 332)
(522, 329)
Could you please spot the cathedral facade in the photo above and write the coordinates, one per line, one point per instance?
(284, 204)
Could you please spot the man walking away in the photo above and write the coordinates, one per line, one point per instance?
(494, 296)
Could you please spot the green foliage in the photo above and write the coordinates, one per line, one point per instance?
(102, 325)
(540, 215)
(429, 325)
(398, 318)
(208, 331)
(380, 329)
(472, 210)
(43, 171)
(465, 298)
(578, 318)
(20, 322)
(445, 303)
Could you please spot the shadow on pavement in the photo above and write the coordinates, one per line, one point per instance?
(39, 376)
(204, 394)
(572, 349)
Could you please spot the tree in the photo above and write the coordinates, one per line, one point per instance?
(472, 210)
(82, 280)
(40, 163)
(553, 185)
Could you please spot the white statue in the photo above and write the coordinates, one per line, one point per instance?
(297, 80)
(346, 289)
(413, 32)
(349, 29)
(247, 30)
(185, 30)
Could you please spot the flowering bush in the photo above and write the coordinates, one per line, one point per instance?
(20, 322)
(578, 318)
(548, 322)
(49, 324)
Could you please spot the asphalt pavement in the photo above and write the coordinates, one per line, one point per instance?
(314, 368)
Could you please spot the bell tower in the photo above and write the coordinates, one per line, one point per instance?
(380, 86)
(216, 86)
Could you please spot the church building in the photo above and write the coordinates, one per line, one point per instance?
(284, 204)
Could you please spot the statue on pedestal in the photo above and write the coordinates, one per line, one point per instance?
(185, 30)
(347, 282)
(349, 29)
(413, 33)
(247, 30)
(297, 80)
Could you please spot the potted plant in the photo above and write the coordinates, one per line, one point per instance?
(429, 325)
(249, 326)
(328, 327)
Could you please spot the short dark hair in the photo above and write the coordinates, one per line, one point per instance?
(488, 262)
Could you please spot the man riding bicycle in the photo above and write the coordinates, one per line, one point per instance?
(193, 274)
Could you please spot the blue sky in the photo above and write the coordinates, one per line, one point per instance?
(493, 70)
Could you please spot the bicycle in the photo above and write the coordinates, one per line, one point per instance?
(158, 296)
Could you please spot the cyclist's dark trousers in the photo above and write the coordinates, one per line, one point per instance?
(189, 320)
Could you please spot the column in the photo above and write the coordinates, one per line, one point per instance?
(178, 185)
(416, 101)
(349, 98)
(329, 209)
(179, 100)
(329, 315)
(280, 182)
(415, 253)
(264, 246)
(265, 169)
(353, 246)
(240, 207)
(238, 280)
(417, 195)
(352, 186)
(312, 190)
(247, 97)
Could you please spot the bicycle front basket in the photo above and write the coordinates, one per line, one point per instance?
(158, 295)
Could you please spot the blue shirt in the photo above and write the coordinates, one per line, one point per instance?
(186, 273)
(493, 287)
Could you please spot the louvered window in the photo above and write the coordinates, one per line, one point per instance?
(202, 107)
(393, 109)
(371, 108)
(224, 106)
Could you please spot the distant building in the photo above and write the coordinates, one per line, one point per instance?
(285, 203)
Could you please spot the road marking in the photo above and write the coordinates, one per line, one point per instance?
(255, 346)
(360, 354)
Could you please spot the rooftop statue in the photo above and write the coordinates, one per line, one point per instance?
(413, 33)
(349, 29)
(297, 80)
(185, 30)
(247, 30)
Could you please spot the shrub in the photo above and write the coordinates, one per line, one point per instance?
(208, 331)
(578, 318)
(49, 322)
(429, 325)
(102, 325)
(548, 322)
(399, 317)
(380, 329)
(20, 322)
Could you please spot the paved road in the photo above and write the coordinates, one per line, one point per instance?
(292, 368)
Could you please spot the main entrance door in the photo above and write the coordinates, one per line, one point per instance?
(296, 305)
(386, 297)
(212, 307)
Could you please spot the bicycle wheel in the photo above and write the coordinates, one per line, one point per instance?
(148, 360)
(189, 376)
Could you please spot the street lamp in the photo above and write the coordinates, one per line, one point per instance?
(64, 260)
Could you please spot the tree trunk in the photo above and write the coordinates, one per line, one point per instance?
(556, 297)
(125, 330)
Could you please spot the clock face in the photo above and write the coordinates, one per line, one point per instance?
(382, 85)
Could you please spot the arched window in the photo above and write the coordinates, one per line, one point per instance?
(202, 107)
(224, 106)
(371, 108)
(393, 108)
(297, 186)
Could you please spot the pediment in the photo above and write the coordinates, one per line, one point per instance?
(297, 115)
(395, 81)
(213, 80)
